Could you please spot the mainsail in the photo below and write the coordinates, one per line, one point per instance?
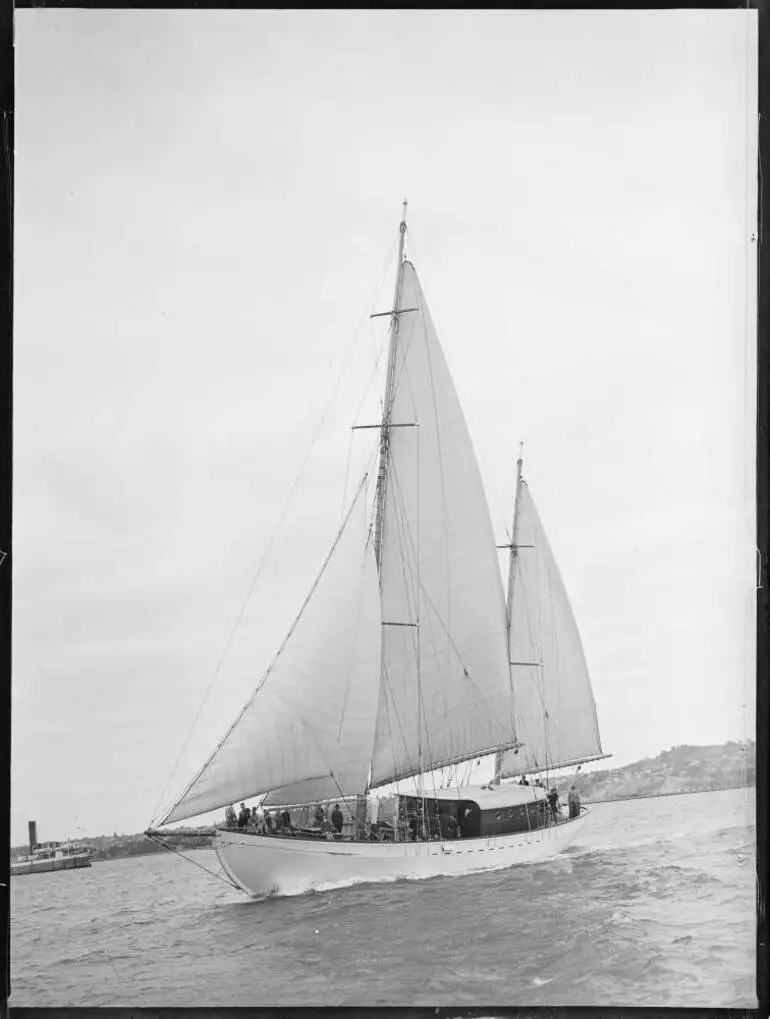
(555, 710)
(443, 609)
(313, 715)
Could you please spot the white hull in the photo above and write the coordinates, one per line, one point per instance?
(267, 865)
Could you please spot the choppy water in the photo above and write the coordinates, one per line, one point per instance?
(654, 906)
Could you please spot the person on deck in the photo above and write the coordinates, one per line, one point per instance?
(286, 820)
(320, 816)
(231, 820)
(337, 818)
(451, 827)
(268, 822)
(467, 823)
(574, 802)
(243, 816)
(553, 801)
(524, 780)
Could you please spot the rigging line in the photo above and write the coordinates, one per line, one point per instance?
(364, 321)
(380, 280)
(269, 671)
(384, 670)
(467, 672)
(172, 849)
(307, 726)
(383, 347)
(389, 690)
(401, 520)
(347, 477)
(434, 644)
(398, 499)
(359, 609)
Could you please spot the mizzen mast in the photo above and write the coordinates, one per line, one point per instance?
(512, 559)
(385, 426)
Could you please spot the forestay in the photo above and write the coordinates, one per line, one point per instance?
(313, 715)
(555, 710)
(438, 569)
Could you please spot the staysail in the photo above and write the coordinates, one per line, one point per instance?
(443, 608)
(555, 711)
(313, 715)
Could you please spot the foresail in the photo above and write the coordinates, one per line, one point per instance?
(555, 710)
(441, 590)
(312, 791)
(313, 715)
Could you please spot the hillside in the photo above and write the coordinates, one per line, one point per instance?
(684, 769)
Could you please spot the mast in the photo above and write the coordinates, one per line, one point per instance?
(382, 483)
(511, 578)
(385, 426)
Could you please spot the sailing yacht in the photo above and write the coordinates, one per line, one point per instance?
(407, 659)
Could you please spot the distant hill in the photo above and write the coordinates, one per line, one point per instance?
(684, 769)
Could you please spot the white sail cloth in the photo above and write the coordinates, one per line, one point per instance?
(442, 597)
(313, 715)
(555, 710)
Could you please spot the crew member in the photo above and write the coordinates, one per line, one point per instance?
(553, 800)
(337, 818)
(574, 802)
(467, 823)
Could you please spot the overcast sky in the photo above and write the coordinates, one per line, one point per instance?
(207, 208)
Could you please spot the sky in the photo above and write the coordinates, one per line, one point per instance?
(207, 208)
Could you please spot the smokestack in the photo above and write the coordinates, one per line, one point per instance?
(32, 835)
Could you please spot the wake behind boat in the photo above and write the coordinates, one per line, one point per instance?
(407, 660)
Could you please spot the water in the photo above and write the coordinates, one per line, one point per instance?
(654, 906)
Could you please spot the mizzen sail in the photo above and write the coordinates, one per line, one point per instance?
(313, 715)
(555, 710)
(443, 608)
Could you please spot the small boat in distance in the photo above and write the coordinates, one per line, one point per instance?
(44, 857)
(405, 661)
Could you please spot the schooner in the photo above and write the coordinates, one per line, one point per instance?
(407, 658)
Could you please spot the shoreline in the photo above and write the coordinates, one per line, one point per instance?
(657, 796)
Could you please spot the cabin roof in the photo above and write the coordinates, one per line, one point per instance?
(494, 797)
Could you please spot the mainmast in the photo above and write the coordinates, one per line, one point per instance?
(382, 480)
(512, 559)
(385, 427)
